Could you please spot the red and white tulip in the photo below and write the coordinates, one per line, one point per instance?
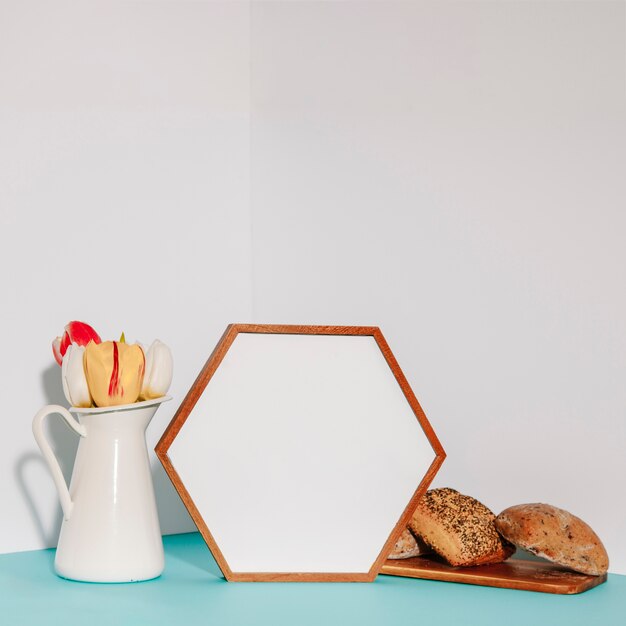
(114, 372)
(77, 333)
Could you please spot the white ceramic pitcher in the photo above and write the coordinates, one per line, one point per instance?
(110, 531)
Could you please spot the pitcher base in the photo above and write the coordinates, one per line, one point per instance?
(94, 577)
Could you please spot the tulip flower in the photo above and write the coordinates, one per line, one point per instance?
(73, 377)
(77, 333)
(159, 370)
(114, 372)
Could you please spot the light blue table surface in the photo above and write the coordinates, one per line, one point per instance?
(192, 591)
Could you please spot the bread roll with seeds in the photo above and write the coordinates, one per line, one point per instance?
(408, 546)
(556, 535)
(459, 528)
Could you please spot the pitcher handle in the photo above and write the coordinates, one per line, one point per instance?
(48, 454)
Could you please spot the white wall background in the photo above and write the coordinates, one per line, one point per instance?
(124, 160)
(450, 171)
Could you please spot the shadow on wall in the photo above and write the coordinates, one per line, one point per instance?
(64, 443)
(173, 516)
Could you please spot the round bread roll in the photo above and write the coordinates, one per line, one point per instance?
(408, 546)
(556, 535)
(459, 528)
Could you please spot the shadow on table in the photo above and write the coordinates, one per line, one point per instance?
(191, 549)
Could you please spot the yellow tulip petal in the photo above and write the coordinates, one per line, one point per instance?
(114, 372)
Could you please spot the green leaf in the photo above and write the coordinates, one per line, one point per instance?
(122, 338)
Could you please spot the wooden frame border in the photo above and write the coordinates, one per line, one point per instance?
(196, 391)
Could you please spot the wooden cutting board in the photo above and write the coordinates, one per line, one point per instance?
(512, 574)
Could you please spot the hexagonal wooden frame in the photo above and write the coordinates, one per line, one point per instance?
(196, 391)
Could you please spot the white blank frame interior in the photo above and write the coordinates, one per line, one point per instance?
(300, 452)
